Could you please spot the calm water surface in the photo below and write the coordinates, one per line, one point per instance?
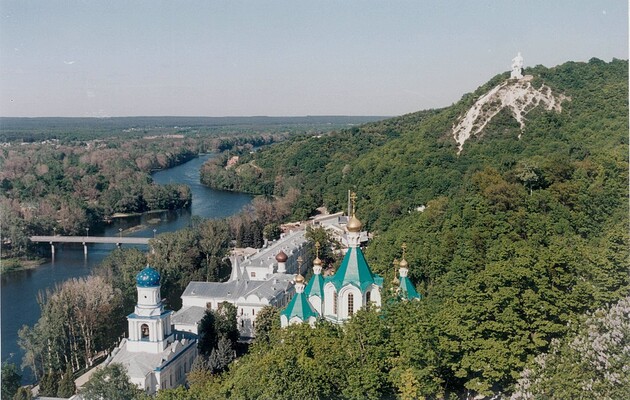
(19, 289)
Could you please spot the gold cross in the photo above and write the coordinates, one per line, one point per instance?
(404, 248)
(299, 261)
(353, 199)
(395, 264)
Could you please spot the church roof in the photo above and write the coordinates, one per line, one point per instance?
(299, 306)
(140, 364)
(188, 315)
(148, 277)
(354, 270)
(232, 290)
(315, 286)
(407, 290)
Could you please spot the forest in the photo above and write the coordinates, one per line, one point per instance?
(519, 248)
(520, 241)
(63, 175)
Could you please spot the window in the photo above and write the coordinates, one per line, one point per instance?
(350, 304)
(144, 332)
(209, 305)
(241, 311)
(242, 323)
(335, 303)
(253, 312)
(368, 299)
(253, 274)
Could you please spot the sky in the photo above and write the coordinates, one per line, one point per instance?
(282, 58)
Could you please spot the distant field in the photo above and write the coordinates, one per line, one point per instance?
(36, 129)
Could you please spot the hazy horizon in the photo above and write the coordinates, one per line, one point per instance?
(281, 58)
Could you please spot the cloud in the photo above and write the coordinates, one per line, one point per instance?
(69, 62)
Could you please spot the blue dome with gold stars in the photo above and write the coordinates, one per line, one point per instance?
(148, 277)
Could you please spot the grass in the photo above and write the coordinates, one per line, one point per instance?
(19, 264)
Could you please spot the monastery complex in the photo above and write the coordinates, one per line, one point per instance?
(162, 345)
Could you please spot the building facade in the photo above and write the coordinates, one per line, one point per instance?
(338, 297)
(266, 277)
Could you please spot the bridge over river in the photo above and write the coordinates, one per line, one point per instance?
(85, 240)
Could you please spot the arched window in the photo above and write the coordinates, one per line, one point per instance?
(368, 299)
(144, 332)
(335, 303)
(350, 304)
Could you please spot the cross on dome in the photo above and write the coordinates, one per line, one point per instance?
(354, 225)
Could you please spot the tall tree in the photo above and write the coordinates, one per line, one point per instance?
(67, 388)
(49, 384)
(267, 322)
(112, 383)
(74, 325)
(221, 356)
(214, 239)
(11, 379)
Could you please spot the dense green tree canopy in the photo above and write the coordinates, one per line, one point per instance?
(516, 239)
(11, 379)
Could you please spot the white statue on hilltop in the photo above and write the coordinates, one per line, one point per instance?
(517, 67)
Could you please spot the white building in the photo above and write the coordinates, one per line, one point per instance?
(155, 356)
(260, 279)
(336, 224)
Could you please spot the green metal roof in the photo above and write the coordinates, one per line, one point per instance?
(407, 290)
(299, 306)
(354, 270)
(315, 286)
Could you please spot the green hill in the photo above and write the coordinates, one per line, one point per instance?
(520, 238)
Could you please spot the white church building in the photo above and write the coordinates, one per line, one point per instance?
(154, 355)
(338, 297)
(263, 278)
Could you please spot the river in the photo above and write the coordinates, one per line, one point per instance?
(19, 289)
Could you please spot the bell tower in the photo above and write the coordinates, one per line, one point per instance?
(150, 324)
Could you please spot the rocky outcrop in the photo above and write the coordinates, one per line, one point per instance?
(517, 95)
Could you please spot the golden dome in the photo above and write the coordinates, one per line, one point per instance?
(299, 278)
(354, 225)
(317, 261)
(403, 263)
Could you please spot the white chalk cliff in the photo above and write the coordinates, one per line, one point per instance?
(517, 95)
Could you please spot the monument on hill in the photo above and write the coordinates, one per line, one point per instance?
(517, 67)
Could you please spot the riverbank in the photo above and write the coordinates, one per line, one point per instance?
(19, 264)
(71, 263)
